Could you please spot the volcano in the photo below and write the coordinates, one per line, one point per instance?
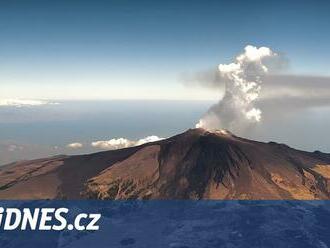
(196, 164)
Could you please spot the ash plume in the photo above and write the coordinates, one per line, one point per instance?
(237, 109)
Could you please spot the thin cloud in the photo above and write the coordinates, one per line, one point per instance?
(75, 145)
(119, 143)
(24, 102)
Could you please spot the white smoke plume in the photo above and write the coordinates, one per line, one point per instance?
(120, 143)
(243, 80)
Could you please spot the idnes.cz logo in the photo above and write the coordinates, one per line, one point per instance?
(46, 219)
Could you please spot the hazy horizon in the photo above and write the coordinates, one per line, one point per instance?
(46, 130)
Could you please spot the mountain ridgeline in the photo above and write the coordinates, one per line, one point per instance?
(196, 164)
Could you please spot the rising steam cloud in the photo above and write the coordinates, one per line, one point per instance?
(237, 109)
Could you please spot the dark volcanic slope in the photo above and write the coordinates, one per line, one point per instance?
(194, 165)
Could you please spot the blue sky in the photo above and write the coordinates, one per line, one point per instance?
(139, 49)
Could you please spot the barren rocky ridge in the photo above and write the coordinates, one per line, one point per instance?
(196, 164)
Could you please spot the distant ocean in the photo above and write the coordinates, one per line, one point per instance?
(38, 131)
(33, 131)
